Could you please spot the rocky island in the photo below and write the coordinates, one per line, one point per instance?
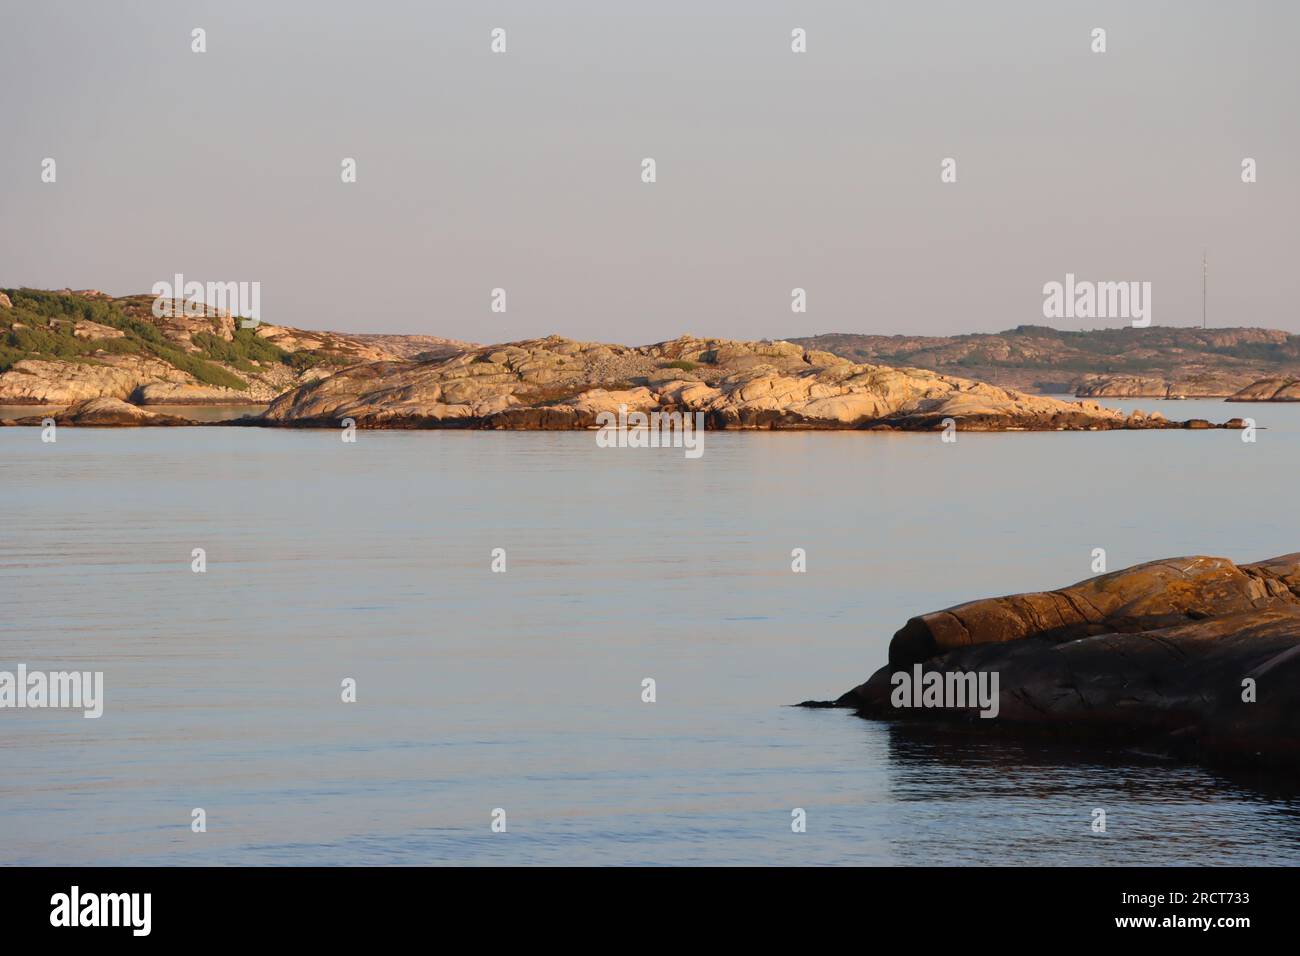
(558, 383)
(1196, 657)
(98, 359)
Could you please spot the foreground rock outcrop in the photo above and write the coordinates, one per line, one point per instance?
(1196, 656)
(557, 383)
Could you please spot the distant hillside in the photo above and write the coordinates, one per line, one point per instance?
(415, 346)
(57, 348)
(1160, 361)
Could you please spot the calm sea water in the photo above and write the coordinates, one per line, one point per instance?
(522, 690)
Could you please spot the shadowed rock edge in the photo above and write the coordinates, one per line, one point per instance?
(1156, 656)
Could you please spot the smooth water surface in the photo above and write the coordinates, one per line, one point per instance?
(522, 690)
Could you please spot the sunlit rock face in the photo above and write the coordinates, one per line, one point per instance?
(559, 383)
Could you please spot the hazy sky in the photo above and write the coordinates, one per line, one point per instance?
(775, 169)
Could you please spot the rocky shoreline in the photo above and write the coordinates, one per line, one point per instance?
(1162, 362)
(106, 413)
(61, 348)
(561, 384)
(1195, 657)
(1229, 389)
(1269, 390)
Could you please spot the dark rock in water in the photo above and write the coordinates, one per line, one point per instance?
(1196, 656)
